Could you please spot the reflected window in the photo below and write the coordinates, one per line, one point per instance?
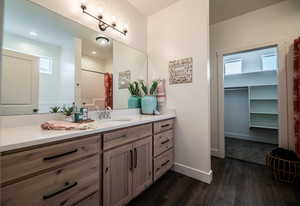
(46, 65)
(269, 62)
(233, 66)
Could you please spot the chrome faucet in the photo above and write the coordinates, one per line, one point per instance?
(105, 114)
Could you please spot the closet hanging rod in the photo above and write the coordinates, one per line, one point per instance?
(87, 70)
(235, 88)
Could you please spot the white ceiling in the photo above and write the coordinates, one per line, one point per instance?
(149, 7)
(221, 10)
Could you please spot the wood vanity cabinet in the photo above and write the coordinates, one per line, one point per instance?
(107, 169)
(127, 171)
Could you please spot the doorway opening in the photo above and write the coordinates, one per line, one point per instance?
(251, 115)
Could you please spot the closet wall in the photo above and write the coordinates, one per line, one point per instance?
(250, 99)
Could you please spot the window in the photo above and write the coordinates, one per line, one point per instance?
(46, 65)
(269, 62)
(233, 66)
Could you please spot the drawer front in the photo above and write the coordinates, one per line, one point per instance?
(24, 163)
(92, 200)
(64, 186)
(124, 136)
(163, 125)
(163, 142)
(163, 163)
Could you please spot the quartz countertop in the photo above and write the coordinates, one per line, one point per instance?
(12, 138)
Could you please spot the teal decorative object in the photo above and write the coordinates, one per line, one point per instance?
(134, 102)
(149, 104)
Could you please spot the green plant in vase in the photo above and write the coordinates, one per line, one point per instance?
(68, 111)
(55, 109)
(149, 100)
(134, 101)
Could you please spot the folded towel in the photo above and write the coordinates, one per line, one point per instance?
(63, 125)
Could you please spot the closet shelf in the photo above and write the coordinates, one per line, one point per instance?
(264, 126)
(263, 99)
(268, 113)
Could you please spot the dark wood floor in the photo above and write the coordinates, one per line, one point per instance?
(235, 183)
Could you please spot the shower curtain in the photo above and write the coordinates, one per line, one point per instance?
(297, 93)
(108, 86)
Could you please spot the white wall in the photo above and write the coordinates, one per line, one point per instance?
(48, 87)
(93, 63)
(274, 23)
(180, 31)
(124, 11)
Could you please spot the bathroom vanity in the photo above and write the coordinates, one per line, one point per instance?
(108, 165)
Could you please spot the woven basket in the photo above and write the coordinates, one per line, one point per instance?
(283, 170)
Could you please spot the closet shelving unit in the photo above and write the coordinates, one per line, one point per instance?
(262, 96)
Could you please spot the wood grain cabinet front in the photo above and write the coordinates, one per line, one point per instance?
(127, 171)
(162, 126)
(163, 163)
(66, 186)
(163, 142)
(20, 164)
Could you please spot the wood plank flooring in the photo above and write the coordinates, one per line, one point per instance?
(235, 183)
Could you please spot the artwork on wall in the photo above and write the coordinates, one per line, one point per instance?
(181, 71)
(124, 79)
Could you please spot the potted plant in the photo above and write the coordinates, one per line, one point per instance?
(55, 109)
(134, 101)
(68, 111)
(149, 100)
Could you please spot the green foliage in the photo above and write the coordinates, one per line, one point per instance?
(144, 87)
(153, 89)
(54, 109)
(134, 89)
(68, 111)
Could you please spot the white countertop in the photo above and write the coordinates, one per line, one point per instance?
(12, 138)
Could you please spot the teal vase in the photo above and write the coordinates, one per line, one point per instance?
(149, 104)
(134, 102)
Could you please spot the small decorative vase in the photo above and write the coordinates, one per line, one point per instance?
(134, 102)
(149, 104)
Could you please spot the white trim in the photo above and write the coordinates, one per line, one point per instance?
(251, 138)
(193, 173)
(217, 153)
(282, 90)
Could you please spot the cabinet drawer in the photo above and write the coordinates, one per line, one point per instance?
(24, 163)
(163, 141)
(163, 125)
(92, 200)
(64, 186)
(163, 163)
(124, 136)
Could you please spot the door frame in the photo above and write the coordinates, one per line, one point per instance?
(282, 48)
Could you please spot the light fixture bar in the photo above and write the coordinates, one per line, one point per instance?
(102, 24)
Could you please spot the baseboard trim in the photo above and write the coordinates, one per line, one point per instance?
(251, 138)
(217, 153)
(193, 173)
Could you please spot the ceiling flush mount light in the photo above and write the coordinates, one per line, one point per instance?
(32, 33)
(101, 23)
(102, 40)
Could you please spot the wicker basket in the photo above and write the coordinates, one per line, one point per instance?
(283, 170)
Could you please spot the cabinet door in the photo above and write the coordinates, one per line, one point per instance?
(117, 176)
(142, 172)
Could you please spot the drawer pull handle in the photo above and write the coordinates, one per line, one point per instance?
(164, 164)
(131, 160)
(122, 136)
(66, 187)
(60, 155)
(165, 125)
(166, 141)
(135, 158)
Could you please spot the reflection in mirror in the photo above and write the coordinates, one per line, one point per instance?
(51, 61)
(38, 67)
(96, 65)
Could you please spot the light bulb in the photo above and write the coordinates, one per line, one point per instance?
(94, 52)
(82, 2)
(103, 42)
(100, 12)
(113, 21)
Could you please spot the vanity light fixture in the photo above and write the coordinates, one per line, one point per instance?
(102, 40)
(102, 24)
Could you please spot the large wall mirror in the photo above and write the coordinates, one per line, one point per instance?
(49, 61)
